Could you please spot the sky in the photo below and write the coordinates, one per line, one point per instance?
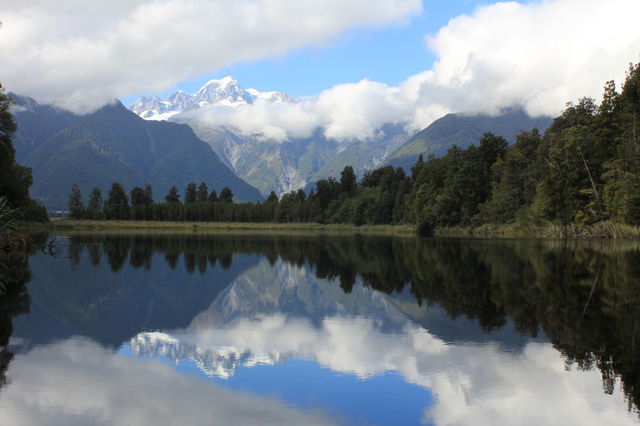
(356, 64)
(387, 54)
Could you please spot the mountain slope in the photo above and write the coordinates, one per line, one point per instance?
(298, 163)
(463, 130)
(113, 144)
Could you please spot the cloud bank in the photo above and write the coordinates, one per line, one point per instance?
(539, 56)
(81, 54)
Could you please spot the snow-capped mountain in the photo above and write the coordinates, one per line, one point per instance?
(225, 91)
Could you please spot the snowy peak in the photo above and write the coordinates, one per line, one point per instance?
(225, 91)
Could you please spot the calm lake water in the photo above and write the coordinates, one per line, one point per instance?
(137, 330)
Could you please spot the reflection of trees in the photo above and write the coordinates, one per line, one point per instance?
(14, 300)
(586, 297)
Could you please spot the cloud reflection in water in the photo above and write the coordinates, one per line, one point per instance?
(472, 383)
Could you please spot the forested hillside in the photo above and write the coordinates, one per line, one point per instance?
(112, 144)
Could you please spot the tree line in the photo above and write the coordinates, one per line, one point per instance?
(584, 169)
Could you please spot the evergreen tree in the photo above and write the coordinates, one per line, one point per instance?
(348, 181)
(213, 197)
(94, 209)
(226, 195)
(76, 207)
(117, 205)
(203, 192)
(15, 179)
(172, 196)
(95, 199)
(148, 195)
(273, 198)
(139, 203)
(190, 194)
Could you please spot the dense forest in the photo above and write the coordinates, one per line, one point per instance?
(584, 169)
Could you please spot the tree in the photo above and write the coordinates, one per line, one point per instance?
(95, 199)
(190, 195)
(15, 179)
(203, 192)
(348, 182)
(139, 203)
(117, 205)
(94, 210)
(148, 195)
(273, 198)
(213, 197)
(76, 208)
(138, 197)
(172, 196)
(226, 195)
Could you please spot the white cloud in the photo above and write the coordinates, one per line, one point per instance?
(347, 111)
(77, 382)
(81, 54)
(539, 55)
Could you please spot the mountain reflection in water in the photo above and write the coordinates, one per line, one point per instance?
(468, 322)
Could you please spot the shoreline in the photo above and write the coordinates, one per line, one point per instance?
(546, 231)
(142, 227)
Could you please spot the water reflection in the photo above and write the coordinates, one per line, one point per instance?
(78, 382)
(466, 320)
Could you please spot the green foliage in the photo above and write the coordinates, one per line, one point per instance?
(203, 192)
(76, 207)
(172, 196)
(15, 180)
(190, 194)
(226, 195)
(117, 205)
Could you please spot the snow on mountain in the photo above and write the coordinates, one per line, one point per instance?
(225, 91)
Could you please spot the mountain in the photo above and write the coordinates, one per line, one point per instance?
(463, 130)
(269, 165)
(225, 91)
(283, 166)
(297, 163)
(110, 145)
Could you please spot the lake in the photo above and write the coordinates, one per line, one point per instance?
(239, 329)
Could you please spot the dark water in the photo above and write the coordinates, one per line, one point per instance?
(136, 330)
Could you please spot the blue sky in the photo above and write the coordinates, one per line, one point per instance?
(387, 54)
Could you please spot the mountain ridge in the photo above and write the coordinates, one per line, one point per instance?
(463, 130)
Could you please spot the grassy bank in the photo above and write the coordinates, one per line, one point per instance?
(138, 227)
(550, 230)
